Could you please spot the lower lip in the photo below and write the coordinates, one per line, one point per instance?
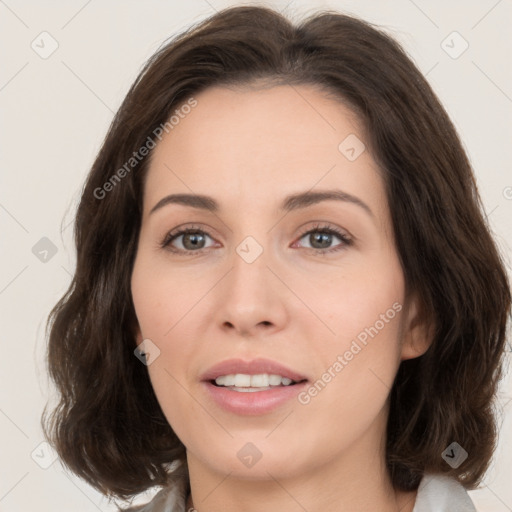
(255, 402)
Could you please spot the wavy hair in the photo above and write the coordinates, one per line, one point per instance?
(108, 427)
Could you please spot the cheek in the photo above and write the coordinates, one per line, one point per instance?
(359, 357)
(160, 300)
(160, 309)
(172, 393)
(351, 301)
(352, 388)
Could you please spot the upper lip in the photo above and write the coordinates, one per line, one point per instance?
(252, 367)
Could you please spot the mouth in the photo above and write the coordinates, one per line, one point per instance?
(246, 383)
(253, 387)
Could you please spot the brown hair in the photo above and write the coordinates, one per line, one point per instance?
(108, 427)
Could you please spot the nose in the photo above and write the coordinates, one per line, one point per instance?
(252, 299)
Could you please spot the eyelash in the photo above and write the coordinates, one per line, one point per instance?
(346, 241)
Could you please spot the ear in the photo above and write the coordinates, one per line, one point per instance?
(417, 333)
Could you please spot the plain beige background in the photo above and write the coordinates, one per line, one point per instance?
(56, 108)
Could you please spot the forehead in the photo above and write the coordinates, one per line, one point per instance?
(261, 142)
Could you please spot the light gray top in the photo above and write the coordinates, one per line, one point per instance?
(436, 493)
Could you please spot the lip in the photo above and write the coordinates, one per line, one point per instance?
(256, 402)
(253, 367)
(252, 403)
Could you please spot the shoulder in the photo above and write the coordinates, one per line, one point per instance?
(169, 499)
(440, 493)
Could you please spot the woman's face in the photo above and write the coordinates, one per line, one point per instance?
(274, 272)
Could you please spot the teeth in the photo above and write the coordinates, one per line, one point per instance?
(242, 380)
(274, 380)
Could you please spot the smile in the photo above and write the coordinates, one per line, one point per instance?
(245, 382)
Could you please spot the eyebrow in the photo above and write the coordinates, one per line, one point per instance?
(290, 203)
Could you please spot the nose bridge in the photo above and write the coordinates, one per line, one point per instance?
(250, 274)
(251, 291)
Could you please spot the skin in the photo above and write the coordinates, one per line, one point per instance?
(249, 148)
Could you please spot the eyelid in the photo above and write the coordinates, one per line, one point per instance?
(325, 226)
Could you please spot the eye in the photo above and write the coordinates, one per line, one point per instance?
(192, 239)
(188, 240)
(320, 238)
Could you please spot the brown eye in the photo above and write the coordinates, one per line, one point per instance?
(187, 240)
(322, 238)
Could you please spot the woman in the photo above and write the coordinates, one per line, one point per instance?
(286, 295)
